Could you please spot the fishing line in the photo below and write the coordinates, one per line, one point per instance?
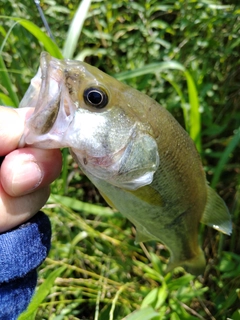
(37, 2)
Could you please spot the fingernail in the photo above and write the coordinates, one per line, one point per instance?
(27, 177)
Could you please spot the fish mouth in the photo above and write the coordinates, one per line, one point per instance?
(51, 94)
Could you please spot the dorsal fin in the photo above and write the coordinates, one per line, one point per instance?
(216, 214)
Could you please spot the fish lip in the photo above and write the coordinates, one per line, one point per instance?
(51, 98)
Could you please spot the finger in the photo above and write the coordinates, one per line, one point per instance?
(17, 210)
(11, 127)
(28, 169)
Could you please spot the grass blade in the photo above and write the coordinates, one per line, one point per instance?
(182, 99)
(225, 157)
(6, 82)
(115, 299)
(78, 205)
(47, 42)
(5, 100)
(12, 98)
(75, 29)
(41, 294)
(64, 173)
(195, 117)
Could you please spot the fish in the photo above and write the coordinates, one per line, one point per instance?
(133, 150)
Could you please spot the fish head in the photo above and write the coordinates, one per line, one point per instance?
(97, 117)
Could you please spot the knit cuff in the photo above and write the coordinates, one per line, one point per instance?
(23, 249)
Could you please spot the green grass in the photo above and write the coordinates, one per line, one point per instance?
(186, 56)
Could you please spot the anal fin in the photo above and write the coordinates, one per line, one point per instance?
(216, 214)
(142, 237)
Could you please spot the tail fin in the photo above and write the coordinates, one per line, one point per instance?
(216, 214)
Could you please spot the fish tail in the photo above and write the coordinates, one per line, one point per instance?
(216, 214)
(195, 265)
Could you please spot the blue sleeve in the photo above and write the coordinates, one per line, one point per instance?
(22, 250)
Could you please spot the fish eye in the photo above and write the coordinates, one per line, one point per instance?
(95, 97)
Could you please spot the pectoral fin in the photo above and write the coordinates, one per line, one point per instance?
(216, 214)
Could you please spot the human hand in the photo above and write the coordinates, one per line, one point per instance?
(25, 174)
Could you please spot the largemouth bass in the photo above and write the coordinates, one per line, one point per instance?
(141, 160)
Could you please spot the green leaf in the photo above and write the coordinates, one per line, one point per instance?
(146, 314)
(156, 263)
(6, 100)
(180, 282)
(174, 316)
(150, 299)
(236, 315)
(41, 294)
(156, 297)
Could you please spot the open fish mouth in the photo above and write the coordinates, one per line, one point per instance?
(49, 95)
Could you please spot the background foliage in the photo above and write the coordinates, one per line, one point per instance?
(95, 270)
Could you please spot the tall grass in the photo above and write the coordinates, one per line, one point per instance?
(95, 270)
